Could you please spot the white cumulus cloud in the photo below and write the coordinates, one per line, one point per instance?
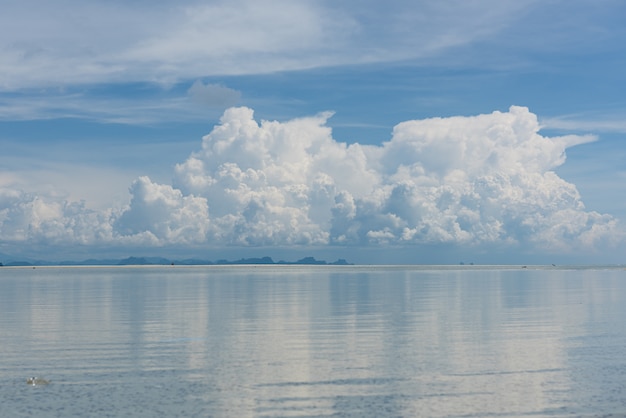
(472, 180)
(480, 180)
(29, 218)
(160, 214)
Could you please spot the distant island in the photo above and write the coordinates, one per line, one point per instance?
(161, 261)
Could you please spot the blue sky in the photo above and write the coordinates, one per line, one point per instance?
(104, 106)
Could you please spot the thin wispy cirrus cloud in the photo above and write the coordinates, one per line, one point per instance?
(358, 148)
(74, 42)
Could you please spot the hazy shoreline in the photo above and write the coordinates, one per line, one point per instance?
(424, 267)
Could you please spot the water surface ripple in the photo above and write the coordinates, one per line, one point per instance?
(295, 341)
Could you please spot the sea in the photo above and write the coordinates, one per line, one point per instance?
(313, 341)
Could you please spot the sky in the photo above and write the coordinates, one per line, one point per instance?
(487, 131)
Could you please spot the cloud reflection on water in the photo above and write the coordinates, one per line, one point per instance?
(318, 341)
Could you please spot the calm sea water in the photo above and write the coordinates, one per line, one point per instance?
(313, 341)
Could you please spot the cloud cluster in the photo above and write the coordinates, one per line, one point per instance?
(30, 218)
(481, 180)
(466, 180)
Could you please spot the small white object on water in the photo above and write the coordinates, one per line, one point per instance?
(36, 381)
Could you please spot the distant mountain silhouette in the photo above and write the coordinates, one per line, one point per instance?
(157, 261)
(143, 261)
(137, 261)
